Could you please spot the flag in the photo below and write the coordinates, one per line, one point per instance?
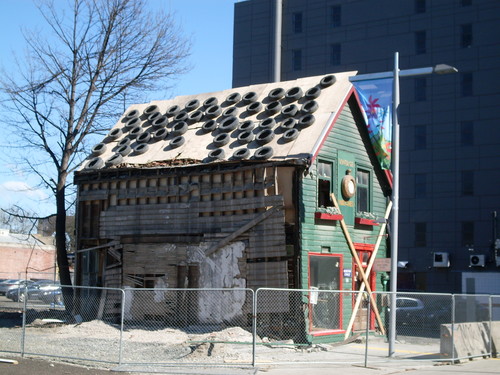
(376, 100)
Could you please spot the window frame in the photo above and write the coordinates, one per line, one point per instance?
(330, 180)
(335, 54)
(420, 42)
(420, 234)
(297, 22)
(336, 15)
(369, 187)
(296, 60)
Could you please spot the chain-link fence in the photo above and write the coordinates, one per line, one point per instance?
(235, 327)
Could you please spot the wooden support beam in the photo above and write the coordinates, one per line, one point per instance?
(368, 270)
(360, 266)
(242, 230)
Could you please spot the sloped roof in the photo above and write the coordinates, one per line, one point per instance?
(277, 121)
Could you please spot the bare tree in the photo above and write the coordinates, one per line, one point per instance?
(70, 85)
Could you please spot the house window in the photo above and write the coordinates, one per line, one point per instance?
(420, 137)
(467, 183)
(420, 42)
(297, 59)
(420, 89)
(467, 233)
(420, 234)
(297, 22)
(467, 133)
(325, 184)
(336, 15)
(335, 54)
(466, 83)
(326, 306)
(363, 191)
(466, 35)
(420, 185)
(420, 6)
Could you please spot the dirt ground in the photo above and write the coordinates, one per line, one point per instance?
(30, 366)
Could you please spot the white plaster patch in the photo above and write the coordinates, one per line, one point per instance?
(219, 270)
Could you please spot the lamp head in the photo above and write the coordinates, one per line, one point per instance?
(444, 69)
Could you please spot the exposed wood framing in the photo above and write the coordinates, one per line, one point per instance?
(242, 230)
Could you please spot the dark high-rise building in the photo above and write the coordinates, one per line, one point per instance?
(450, 124)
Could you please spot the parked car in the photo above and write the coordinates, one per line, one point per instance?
(13, 284)
(46, 291)
(409, 311)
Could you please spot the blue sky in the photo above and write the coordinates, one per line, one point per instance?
(209, 23)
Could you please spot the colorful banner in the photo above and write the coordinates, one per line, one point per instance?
(376, 100)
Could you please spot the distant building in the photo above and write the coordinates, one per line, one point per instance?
(450, 133)
(26, 256)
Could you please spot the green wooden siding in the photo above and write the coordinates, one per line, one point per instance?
(316, 234)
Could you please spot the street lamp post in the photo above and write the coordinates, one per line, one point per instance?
(396, 74)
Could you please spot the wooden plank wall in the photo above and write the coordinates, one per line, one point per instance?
(139, 209)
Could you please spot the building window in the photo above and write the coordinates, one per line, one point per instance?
(467, 133)
(420, 137)
(466, 35)
(325, 171)
(420, 6)
(466, 3)
(420, 234)
(420, 42)
(466, 83)
(420, 183)
(468, 233)
(297, 59)
(420, 89)
(467, 183)
(297, 22)
(335, 54)
(336, 15)
(363, 191)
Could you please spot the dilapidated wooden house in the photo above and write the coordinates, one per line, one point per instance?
(233, 189)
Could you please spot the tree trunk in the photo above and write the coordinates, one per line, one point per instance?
(62, 257)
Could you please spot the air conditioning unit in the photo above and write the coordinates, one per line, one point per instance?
(477, 260)
(441, 260)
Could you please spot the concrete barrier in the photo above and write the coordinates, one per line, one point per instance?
(469, 340)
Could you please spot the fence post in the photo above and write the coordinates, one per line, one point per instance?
(254, 325)
(453, 329)
(368, 320)
(23, 332)
(122, 318)
(490, 313)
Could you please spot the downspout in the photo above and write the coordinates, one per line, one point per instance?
(278, 18)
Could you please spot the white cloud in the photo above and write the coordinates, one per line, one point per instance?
(21, 194)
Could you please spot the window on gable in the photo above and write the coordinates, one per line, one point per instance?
(420, 89)
(336, 15)
(420, 42)
(466, 35)
(363, 191)
(297, 22)
(297, 59)
(420, 234)
(325, 170)
(335, 54)
(420, 137)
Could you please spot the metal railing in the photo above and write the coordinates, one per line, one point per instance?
(243, 327)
